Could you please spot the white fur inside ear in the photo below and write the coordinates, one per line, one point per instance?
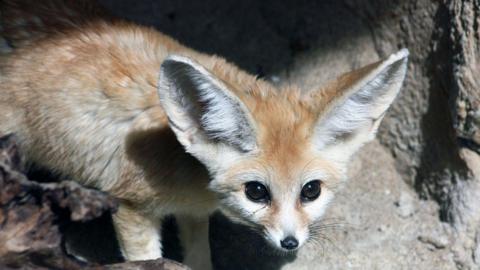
(195, 100)
(224, 118)
(355, 117)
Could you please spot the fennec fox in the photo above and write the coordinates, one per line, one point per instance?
(167, 130)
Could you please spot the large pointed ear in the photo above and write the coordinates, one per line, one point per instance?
(202, 111)
(354, 105)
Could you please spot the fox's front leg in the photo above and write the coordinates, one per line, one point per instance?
(137, 234)
(194, 237)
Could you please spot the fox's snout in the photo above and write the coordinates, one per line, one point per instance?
(290, 227)
(287, 240)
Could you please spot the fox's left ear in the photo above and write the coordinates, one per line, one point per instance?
(353, 106)
(204, 113)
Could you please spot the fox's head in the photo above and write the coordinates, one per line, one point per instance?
(276, 156)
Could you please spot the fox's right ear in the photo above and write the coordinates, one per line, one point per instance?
(202, 111)
(352, 107)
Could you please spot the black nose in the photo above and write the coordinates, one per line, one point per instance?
(289, 243)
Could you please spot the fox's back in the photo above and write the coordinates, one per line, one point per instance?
(76, 96)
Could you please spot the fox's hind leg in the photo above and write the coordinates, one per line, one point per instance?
(195, 241)
(138, 235)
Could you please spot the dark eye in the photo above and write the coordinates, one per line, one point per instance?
(257, 192)
(310, 191)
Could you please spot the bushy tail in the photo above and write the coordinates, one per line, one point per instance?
(25, 21)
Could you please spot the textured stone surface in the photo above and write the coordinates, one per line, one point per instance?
(32, 214)
(465, 39)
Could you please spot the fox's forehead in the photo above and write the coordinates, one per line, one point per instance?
(284, 125)
(279, 115)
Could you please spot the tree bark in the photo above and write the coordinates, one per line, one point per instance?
(33, 216)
